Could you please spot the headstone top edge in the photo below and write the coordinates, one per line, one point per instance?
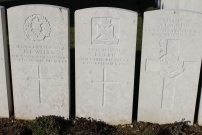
(42, 5)
(172, 10)
(103, 8)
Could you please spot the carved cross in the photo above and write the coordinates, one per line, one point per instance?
(104, 82)
(169, 66)
(39, 78)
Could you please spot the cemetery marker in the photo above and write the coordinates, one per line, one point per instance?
(105, 46)
(39, 51)
(170, 66)
(6, 105)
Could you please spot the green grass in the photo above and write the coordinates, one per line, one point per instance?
(44, 126)
(139, 33)
(72, 40)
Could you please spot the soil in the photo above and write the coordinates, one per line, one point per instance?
(82, 126)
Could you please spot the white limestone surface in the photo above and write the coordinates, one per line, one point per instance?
(198, 6)
(105, 46)
(199, 120)
(170, 66)
(170, 4)
(192, 5)
(39, 51)
(188, 4)
(5, 91)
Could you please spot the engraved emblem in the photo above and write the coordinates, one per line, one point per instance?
(105, 31)
(169, 66)
(37, 27)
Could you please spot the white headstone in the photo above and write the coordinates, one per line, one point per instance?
(198, 6)
(170, 66)
(200, 109)
(192, 5)
(188, 4)
(105, 63)
(39, 48)
(5, 91)
(170, 4)
(158, 3)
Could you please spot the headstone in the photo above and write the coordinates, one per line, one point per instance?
(192, 5)
(198, 6)
(170, 4)
(105, 63)
(5, 91)
(199, 121)
(188, 4)
(170, 66)
(39, 49)
(158, 3)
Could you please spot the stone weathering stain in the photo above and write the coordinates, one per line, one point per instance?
(39, 46)
(105, 49)
(170, 66)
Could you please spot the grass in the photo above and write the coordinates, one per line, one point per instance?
(139, 33)
(44, 126)
(72, 41)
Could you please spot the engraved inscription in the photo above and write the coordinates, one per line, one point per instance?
(105, 31)
(104, 82)
(105, 56)
(37, 27)
(169, 67)
(39, 78)
(179, 28)
(39, 53)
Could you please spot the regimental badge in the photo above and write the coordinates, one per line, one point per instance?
(37, 28)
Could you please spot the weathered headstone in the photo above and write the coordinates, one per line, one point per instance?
(158, 3)
(192, 5)
(188, 4)
(5, 91)
(39, 49)
(199, 121)
(170, 4)
(198, 6)
(170, 66)
(105, 61)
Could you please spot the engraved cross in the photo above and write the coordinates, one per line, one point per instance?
(39, 78)
(169, 66)
(104, 82)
